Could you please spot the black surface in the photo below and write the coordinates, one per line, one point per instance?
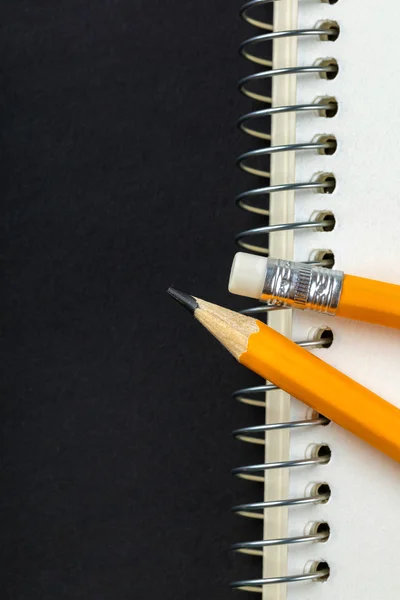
(117, 179)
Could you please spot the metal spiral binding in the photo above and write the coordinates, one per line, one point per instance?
(324, 106)
(248, 162)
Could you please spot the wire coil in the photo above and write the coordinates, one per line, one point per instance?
(250, 122)
(321, 455)
(254, 201)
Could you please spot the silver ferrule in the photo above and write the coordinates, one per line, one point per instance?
(302, 286)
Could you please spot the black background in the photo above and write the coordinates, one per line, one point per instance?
(118, 143)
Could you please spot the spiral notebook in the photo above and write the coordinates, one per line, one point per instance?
(336, 165)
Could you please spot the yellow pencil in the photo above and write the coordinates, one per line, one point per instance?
(303, 286)
(301, 374)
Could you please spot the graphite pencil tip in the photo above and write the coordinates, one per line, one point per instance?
(186, 300)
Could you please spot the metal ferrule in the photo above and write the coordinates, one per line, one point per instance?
(302, 286)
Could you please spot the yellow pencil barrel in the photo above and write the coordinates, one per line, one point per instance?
(371, 301)
(324, 388)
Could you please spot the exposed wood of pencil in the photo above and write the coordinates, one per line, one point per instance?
(305, 377)
(370, 301)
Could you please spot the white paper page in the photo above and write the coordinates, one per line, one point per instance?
(364, 510)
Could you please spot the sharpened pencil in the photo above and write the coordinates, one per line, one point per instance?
(301, 374)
